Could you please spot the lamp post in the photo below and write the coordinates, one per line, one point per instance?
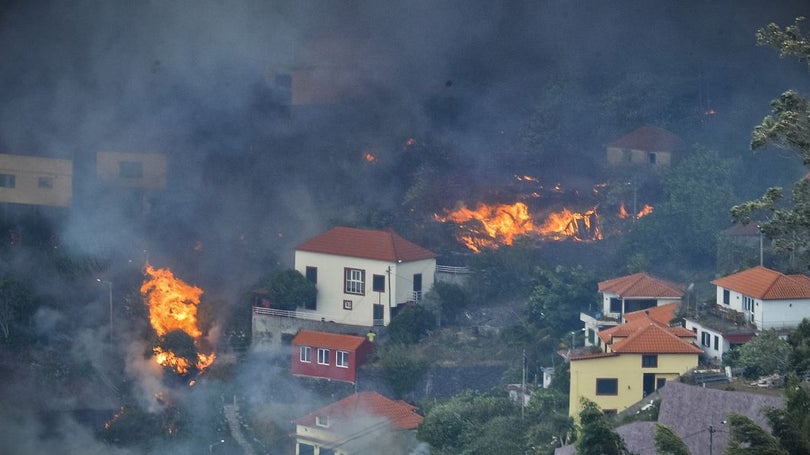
(211, 446)
(109, 286)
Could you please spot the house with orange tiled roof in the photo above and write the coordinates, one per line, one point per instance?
(648, 145)
(637, 358)
(628, 294)
(364, 422)
(364, 276)
(766, 298)
(332, 356)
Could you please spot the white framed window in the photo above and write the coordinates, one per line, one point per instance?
(305, 354)
(354, 281)
(342, 359)
(322, 421)
(323, 356)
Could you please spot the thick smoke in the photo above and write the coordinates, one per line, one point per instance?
(250, 175)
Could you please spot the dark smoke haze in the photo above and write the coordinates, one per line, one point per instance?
(251, 176)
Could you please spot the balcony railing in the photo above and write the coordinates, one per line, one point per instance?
(286, 313)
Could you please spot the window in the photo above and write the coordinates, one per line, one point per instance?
(45, 182)
(323, 356)
(305, 449)
(726, 296)
(615, 305)
(347, 304)
(706, 339)
(378, 283)
(716, 343)
(130, 169)
(355, 281)
(7, 181)
(627, 155)
(649, 361)
(651, 157)
(312, 274)
(305, 354)
(322, 421)
(342, 359)
(607, 386)
(660, 382)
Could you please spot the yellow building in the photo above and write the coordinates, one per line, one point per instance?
(638, 358)
(36, 180)
(132, 170)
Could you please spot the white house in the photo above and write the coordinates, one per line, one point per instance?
(364, 276)
(717, 335)
(767, 298)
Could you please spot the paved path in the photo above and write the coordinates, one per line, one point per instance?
(232, 414)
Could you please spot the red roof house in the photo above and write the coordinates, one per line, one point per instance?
(333, 356)
(364, 422)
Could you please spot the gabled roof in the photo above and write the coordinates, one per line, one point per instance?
(401, 415)
(654, 339)
(649, 138)
(328, 340)
(367, 244)
(631, 327)
(763, 283)
(642, 285)
(662, 314)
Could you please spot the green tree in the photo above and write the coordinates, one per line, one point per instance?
(411, 325)
(764, 354)
(787, 127)
(746, 437)
(504, 273)
(559, 295)
(550, 426)
(17, 306)
(799, 341)
(449, 299)
(596, 435)
(402, 367)
(791, 424)
(667, 441)
(289, 289)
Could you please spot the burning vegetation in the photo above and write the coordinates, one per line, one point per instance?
(173, 314)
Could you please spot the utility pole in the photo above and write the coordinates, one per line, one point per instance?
(109, 285)
(712, 431)
(523, 389)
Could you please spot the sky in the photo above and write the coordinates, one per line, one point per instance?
(251, 176)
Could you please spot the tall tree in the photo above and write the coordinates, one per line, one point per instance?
(765, 354)
(749, 438)
(787, 127)
(559, 294)
(596, 434)
(791, 424)
(667, 441)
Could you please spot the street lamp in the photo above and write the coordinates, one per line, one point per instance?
(211, 446)
(109, 285)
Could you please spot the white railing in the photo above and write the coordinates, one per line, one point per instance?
(417, 296)
(286, 313)
(452, 269)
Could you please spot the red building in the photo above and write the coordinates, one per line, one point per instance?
(327, 355)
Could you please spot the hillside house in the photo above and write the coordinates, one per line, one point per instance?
(638, 358)
(332, 356)
(364, 277)
(648, 145)
(364, 422)
(767, 299)
(132, 170)
(36, 180)
(718, 333)
(629, 294)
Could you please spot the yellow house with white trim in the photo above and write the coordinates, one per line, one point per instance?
(638, 358)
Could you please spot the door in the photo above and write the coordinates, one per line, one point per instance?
(649, 383)
(417, 287)
(379, 315)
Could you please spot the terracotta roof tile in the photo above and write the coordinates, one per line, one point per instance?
(649, 138)
(400, 414)
(328, 340)
(662, 314)
(629, 329)
(642, 285)
(654, 339)
(763, 283)
(367, 244)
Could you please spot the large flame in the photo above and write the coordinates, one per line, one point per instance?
(646, 210)
(173, 306)
(499, 225)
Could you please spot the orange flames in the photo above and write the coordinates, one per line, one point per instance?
(173, 306)
(500, 224)
(370, 158)
(646, 210)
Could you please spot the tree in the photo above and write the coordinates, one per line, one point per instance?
(449, 299)
(788, 127)
(764, 354)
(17, 306)
(411, 325)
(667, 441)
(791, 424)
(289, 289)
(799, 340)
(596, 435)
(402, 367)
(559, 295)
(746, 437)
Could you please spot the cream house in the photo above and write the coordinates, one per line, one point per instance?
(36, 180)
(132, 170)
(364, 276)
(648, 145)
